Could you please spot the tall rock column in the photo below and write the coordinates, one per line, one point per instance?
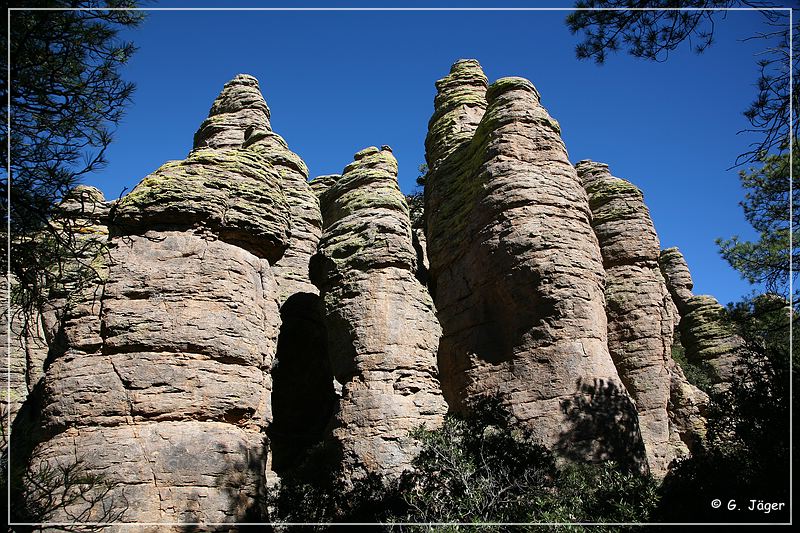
(517, 273)
(638, 305)
(169, 396)
(75, 287)
(707, 337)
(382, 328)
(303, 398)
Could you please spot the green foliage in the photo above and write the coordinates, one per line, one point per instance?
(653, 34)
(423, 174)
(416, 208)
(324, 498)
(645, 34)
(476, 468)
(698, 375)
(746, 455)
(66, 97)
(416, 200)
(766, 208)
(484, 468)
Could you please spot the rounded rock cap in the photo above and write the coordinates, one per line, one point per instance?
(243, 79)
(511, 83)
(466, 64)
(361, 154)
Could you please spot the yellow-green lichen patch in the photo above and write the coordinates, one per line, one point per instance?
(511, 83)
(233, 191)
(603, 191)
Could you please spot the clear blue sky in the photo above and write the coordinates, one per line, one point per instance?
(339, 81)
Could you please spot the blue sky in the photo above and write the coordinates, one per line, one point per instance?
(339, 81)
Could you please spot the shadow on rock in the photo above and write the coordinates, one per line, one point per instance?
(602, 425)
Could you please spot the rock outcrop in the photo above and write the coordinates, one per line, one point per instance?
(75, 287)
(638, 307)
(516, 269)
(164, 384)
(687, 413)
(382, 327)
(706, 335)
(229, 323)
(238, 107)
(679, 279)
(291, 270)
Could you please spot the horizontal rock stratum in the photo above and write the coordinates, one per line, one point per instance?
(229, 322)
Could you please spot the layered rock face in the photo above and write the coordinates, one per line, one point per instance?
(228, 319)
(639, 309)
(238, 107)
(705, 334)
(165, 385)
(81, 219)
(382, 327)
(516, 269)
(291, 270)
(14, 381)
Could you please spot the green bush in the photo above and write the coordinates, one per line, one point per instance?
(484, 468)
(698, 375)
(476, 468)
(746, 453)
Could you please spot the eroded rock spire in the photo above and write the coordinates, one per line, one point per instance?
(458, 107)
(639, 311)
(165, 386)
(517, 273)
(706, 334)
(382, 328)
(238, 107)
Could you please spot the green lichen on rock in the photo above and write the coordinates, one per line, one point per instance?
(602, 192)
(274, 149)
(709, 337)
(510, 83)
(238, 107)
(614, 199)
(365, 216)
(234, 192)
(458, 107)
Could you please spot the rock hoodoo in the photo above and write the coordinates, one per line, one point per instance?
(166, 382)
(229, 323)
(382, 327)
(506, 216)
(705, 335)
(638, 305)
